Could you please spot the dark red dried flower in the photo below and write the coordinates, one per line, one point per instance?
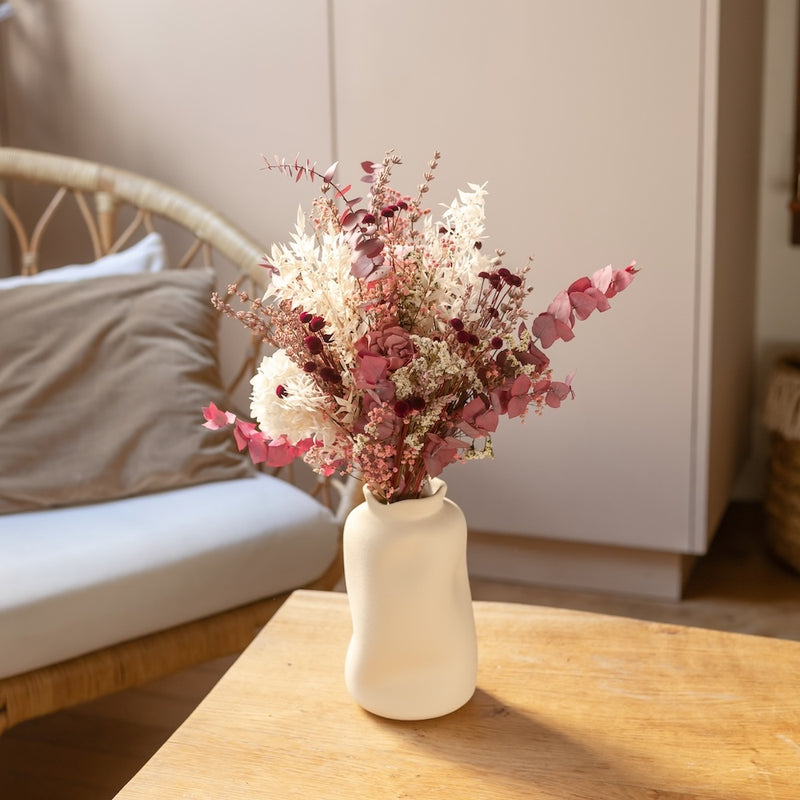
(313, 345)
(402, 408)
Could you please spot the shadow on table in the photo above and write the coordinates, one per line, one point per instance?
(492, 744)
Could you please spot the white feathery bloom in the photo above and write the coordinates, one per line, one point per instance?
(453, 260)
(466, 219)
(298, 412)
(313, 273)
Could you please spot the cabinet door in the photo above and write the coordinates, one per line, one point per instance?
(584, 118)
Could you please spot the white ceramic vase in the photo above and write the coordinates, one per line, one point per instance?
(413, 652)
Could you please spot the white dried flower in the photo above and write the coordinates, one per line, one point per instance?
(287, 401)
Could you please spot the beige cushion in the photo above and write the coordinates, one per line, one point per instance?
(101, 388)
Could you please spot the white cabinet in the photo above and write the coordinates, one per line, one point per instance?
(596, 126)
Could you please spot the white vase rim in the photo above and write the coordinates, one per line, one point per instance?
(419, 506)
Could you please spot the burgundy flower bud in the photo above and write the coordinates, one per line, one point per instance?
(495, 280)
(478, 245)
(492, 312)
(456, 324)
(305, 317)
(503, 272)
(387, 212)
(316, 324)
(484, 274)
(402, 205)
(309, 366)
(416, 402)
(496, 342)
(330, 375)
(402, 409)
(463, 336)
(515, 280)
(280, 390)
(368, 219)
(474, 340)
(313, 345)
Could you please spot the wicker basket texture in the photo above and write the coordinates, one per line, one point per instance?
(782, 417)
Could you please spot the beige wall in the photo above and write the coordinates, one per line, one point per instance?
(188, 91)
(192, 91)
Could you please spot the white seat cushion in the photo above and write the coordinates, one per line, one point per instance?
(77, 579)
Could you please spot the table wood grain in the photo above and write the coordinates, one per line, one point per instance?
(569, 705)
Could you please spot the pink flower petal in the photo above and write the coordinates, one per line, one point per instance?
(216, 419)
(602, 279)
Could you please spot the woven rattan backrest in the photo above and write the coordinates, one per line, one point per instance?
(101, 195)
(99, 191)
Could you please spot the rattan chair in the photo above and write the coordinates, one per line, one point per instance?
(102, 194)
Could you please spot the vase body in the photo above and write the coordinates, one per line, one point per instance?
(413, 652)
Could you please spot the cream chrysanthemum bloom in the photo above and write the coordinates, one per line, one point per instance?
(286, 401)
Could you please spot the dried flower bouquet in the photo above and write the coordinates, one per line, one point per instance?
(399, 342)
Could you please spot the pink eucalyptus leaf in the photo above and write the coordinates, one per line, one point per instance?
(556, 392)
(499, 399)
(583, 304)
(561, 308)
(361, 266)
(351, 219)
(477, 419)
(279, 454)
(621, 279)
(439, 451)
(330, 172)
(521, 385)
(216, 418)
(243, 432)
(257, 449)
(602, 279)
(371, 248)
(548, 330)
(580, 285)
(517, 406)
(600, 299)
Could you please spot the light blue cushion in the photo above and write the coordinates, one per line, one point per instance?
(76, 579)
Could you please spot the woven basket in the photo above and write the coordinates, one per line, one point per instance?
(782, 417)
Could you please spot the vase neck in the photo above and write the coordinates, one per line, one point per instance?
(414, 508)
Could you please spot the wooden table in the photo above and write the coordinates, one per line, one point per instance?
(569, 705)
